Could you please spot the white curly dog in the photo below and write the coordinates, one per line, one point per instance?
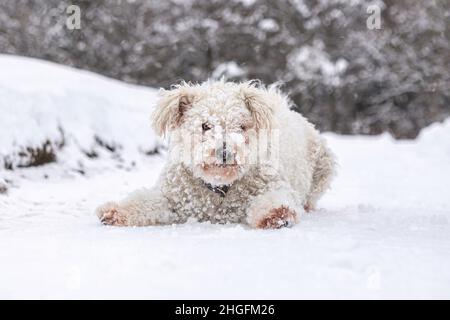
(237, 154)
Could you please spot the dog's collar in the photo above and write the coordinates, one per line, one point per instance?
(220, 190)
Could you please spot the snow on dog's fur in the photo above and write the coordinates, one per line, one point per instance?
(237, 153)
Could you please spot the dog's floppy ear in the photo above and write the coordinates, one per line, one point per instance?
(260, 104)
(170, 109)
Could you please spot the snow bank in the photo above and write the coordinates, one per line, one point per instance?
(53, 113)
(436, 138)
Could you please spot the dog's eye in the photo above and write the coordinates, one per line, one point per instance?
(243, 127)
(206, 126)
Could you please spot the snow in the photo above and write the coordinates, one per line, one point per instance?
(313, 63)
(41, 101)
(382, 231)
(269, 25)
(228, 70)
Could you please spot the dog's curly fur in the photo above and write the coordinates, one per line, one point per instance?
(216, 132)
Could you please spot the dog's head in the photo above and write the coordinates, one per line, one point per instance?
(214, 126)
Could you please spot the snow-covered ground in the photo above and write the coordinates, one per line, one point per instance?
(383, 231)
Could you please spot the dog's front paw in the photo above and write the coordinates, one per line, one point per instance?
(278, 218)
(111, 214)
